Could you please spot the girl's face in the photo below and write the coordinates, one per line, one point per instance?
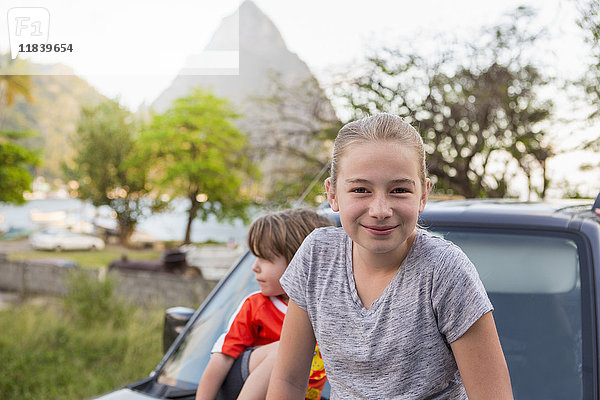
(267, 274)
(379, 196)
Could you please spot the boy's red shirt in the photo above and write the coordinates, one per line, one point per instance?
(258, 321)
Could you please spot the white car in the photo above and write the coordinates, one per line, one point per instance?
(64, 240)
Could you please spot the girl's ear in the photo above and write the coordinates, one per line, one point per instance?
(331, 198)
(425, 195)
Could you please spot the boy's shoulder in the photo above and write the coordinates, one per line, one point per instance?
(258, 300)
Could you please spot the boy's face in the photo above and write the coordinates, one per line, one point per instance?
(267, 274)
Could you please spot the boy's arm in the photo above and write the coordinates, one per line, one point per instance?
(481, 361)
(216, 370)
(296, 348)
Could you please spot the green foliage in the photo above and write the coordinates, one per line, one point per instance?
(589, 22)
(93, 301)
(50, 352)
(196, 150)
(15, 165)
(306, 187)
(15, 160)
(108, 165)
(57, 95)
(12, 81)
(471, 113)
(297, 125)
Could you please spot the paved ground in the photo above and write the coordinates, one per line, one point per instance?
(7, 246)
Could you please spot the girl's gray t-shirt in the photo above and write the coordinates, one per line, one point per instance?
(400, 347)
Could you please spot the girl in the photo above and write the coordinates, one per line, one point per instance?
(398, 313)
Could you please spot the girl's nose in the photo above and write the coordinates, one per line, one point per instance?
(379, 207)
(255, 267)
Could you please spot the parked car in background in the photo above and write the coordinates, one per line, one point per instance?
(57, 240)
(539, 262)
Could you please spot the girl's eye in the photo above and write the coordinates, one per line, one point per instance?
(399, 190)
(359, 190)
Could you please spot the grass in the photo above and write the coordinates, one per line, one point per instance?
(89, 259)
(79, 347)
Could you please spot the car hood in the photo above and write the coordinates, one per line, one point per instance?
(125, 394)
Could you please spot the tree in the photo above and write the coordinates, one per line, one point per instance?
(197, 153)
(15, 164)
(297, 126)
(589, 22)
(15, 160)
(475, 116)
(108, 165)
(13, 82)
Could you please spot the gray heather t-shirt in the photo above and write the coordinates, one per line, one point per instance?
(399, 348)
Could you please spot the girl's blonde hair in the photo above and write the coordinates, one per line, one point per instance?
(378, 128)
(281, 233)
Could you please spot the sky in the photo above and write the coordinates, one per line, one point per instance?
(132, 49)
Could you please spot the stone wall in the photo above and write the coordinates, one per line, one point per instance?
(168, 290)
(142, 288)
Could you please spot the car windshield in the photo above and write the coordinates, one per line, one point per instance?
(532, 280)
(184, 368)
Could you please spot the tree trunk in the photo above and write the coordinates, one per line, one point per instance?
(126, 228)
(545, 180)
(191, 216)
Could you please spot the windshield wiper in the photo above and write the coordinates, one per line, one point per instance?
(174, 393)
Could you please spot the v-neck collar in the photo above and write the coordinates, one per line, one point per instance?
(385, 293)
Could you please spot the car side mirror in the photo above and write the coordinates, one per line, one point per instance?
(176, 318)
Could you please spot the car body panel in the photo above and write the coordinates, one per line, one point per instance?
(125, 394)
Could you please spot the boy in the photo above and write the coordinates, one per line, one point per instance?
(243, 357)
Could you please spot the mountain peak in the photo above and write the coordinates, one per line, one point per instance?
(262, 54)
(247, 29)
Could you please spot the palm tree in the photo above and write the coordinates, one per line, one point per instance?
(15, 160)
(13, 82)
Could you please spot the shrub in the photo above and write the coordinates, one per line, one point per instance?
(92, 301)
(88, 344)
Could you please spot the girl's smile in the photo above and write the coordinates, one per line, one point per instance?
(380, 230)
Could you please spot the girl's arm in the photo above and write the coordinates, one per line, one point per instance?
(481, 361)
(290, 375)
(216, 370)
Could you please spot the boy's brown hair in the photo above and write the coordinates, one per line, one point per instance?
(281, 233)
